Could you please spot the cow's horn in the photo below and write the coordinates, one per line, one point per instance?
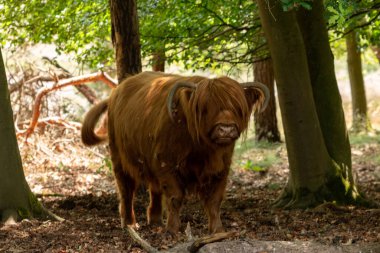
(172, 93)
(263, 88)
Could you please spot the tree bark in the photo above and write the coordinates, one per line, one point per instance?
(159, 59)
(326, 94)
(16, 199)
(314, 176)
(125, 37)
(360, 119)
(266, 122)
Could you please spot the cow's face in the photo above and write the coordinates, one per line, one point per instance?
(217, 111)
(220, 112)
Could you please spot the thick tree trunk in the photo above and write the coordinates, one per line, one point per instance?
(328, 103)
(360, 120)
(16, 199)
(125, 37)
(325, 89)
(266, 122)
(314, 176)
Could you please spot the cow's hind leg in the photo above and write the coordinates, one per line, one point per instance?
(155, 205)
(126, 187)
(212, 197)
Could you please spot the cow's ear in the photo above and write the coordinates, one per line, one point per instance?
(257, 95)
(179, 99)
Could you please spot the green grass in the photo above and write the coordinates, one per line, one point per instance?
(362, 139)
(256, 156)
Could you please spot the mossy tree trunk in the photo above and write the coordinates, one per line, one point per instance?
(360, 119)
(319, 172)
(266, 127)
(126, 37)
(16, 199)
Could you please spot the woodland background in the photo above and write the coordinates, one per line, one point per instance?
(46, 44)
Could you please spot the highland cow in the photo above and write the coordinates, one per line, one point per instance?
(176, 135)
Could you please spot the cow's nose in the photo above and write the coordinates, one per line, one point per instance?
(228, 131)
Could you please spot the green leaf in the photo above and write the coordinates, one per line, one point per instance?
(306, 5)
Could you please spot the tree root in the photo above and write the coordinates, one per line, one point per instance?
(303, 198)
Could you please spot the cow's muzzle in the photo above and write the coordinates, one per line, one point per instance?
(224, 134)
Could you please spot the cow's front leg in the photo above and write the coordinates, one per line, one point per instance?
(212, 195)
(155, 205)
(174, 196)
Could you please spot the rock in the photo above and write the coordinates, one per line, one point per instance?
(252, 246)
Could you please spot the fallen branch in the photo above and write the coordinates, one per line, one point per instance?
(183, 248)
(199, 243)
(100, 76)
(53, 121)
(144, 244)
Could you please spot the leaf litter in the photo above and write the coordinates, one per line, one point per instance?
(76, 183)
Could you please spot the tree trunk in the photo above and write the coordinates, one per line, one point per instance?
(159, 59)
(314, 176)
(16, 199)
(266, 122)
(326, 94)
(360, 120)
(125, 37)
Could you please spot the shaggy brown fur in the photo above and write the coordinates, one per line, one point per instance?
(190, 153)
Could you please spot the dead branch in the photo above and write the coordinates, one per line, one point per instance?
(194, 247)
(40, 78)
(197, 244)
(144, 244)
(54, 121)
(86, 91)
(100, 76)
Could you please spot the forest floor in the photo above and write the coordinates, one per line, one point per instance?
(77, 184)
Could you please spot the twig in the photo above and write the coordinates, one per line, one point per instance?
(41, 195)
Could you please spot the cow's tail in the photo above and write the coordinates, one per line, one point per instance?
(89, 137)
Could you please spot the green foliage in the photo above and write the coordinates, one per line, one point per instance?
(196, 34)
(106, 164)
(288, 5)
(79, 27)
(201, 34)
(261, 164)
(361, 16)
(23, 213)
(250, 165)
(257, 156)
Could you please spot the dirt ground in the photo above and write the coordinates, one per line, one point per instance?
(76, 183)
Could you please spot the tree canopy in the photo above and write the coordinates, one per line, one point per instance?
(197, 34)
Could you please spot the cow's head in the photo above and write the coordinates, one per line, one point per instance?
(218, 110)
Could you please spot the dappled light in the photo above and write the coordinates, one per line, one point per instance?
(258, 129)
